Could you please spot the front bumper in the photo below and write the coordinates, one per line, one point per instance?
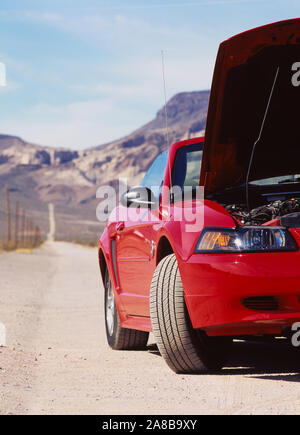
(216, 285)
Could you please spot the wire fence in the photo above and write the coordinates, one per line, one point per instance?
(20, 230)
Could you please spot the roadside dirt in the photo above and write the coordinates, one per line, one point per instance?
(57, 360)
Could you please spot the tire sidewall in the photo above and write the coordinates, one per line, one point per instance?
(110, 338)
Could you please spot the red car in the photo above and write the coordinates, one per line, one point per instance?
(235, 269)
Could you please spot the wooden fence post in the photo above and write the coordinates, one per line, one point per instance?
(8, 218)
(17, 225)
(22, 238)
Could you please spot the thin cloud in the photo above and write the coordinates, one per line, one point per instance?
(78, 125)
(57, 17)
(182, 4)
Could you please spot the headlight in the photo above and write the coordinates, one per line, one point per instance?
(245, 239)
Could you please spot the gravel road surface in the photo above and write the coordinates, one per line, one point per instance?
(57, 360)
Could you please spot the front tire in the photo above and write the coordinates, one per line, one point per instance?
(185, 349)
(119, 338)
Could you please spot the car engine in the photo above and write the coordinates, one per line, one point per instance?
(289, 209)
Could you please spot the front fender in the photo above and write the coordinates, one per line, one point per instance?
(183, 232)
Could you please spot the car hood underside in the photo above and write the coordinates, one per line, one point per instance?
(255, 100)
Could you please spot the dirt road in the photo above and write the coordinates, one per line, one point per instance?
(57, 361)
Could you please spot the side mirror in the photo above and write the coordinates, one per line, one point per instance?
(141, 197)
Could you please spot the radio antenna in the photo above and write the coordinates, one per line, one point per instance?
(166, 112)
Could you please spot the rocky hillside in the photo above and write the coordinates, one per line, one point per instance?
(38, 175)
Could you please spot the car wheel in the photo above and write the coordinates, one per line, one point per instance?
(119, 338)
(186, 350)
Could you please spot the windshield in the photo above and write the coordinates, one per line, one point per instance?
(286, 179)
(154, 176)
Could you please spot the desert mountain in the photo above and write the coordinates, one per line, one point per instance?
(37, 175)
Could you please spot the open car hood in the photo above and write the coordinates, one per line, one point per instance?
(248, 67)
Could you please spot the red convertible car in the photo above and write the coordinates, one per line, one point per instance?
(235, 270)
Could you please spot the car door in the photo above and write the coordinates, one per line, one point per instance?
(135, 246)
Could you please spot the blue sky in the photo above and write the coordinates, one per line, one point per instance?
(82, 73)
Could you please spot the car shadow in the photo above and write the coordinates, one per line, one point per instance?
(274, 360)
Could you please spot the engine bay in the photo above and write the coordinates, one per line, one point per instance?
(278, 212)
